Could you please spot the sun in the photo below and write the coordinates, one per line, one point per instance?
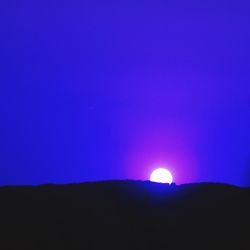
(161, 175)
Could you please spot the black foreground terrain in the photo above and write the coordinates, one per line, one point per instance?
(125, 215)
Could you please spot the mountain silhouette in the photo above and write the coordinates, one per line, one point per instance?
(124, 215)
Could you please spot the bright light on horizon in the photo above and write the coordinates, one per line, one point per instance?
(161, 175)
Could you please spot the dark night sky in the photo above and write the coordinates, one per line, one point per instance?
(93, 90)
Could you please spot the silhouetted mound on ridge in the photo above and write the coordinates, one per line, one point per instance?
(125, 215)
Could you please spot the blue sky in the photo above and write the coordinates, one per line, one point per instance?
(94, 90)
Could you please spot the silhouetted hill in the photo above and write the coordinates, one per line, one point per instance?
(125, 215)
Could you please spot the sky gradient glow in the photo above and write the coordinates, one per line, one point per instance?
(93, 90)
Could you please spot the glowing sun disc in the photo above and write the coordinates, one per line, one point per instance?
(161, 175)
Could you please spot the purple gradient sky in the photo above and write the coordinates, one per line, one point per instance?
(95, 90)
